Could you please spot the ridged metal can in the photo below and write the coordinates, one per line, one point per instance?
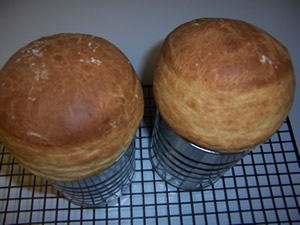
(103, 187)
(184, 164)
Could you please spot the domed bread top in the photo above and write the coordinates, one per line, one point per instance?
(223, 84)
(70, 105)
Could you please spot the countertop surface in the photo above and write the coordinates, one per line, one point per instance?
(139, 27)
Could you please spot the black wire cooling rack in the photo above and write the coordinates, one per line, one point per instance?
(263, 188)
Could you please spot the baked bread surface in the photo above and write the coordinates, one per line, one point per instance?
(70, 105)
(223, 84)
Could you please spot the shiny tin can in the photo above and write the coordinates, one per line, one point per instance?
(104, 187)
(184, 164)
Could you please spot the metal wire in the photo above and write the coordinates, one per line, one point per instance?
(263, 188)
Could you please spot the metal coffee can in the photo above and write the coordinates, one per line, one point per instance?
(103, 187)
(184, 164)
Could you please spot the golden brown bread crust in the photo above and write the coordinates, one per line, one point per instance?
(70, 105)
(223, 84)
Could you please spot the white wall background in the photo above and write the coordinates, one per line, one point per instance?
(138, 27)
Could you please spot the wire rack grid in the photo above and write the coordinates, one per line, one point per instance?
(263, 188)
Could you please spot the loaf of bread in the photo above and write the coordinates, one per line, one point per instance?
(223, 84)
(70, 105)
